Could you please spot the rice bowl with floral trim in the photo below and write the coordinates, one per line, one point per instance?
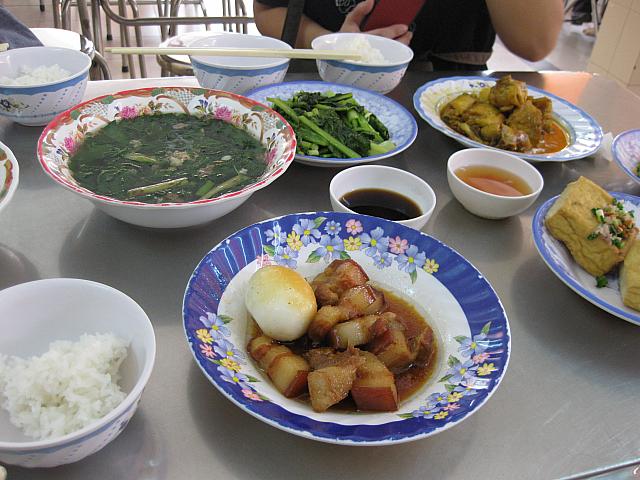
(63, 136)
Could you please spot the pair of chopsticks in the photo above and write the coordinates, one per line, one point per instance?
(303, 53)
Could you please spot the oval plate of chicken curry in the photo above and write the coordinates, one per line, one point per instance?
(436, 353)
(508, 115)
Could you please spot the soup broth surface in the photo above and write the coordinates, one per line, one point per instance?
(167, 158)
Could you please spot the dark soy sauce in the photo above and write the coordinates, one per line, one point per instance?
(381, 203)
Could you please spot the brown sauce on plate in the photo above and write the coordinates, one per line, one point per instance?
(553, 141)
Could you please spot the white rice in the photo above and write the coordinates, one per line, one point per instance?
(65, 389)
(36, 76)
(361, 44)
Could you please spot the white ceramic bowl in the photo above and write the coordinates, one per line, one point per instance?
(377, 77)
(9, 174)
(238, 74)
(61, 137)
(484, 204)
(385, 178)
(38, 104)
(34, 314)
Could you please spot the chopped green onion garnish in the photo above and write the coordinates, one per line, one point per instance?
(601, 281)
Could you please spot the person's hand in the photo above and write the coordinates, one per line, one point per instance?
(355, 18)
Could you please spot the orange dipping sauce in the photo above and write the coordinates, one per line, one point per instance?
(553, 141)
(493, 180)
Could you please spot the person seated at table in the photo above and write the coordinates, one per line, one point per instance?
(15, 33)
(447, 34)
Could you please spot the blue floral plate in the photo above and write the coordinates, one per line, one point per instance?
(403, 128)
(560, 261)
(626, 152)
(468, 319)
(585, 135)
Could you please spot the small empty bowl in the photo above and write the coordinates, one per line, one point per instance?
(390, 179)
(488, 205)
(238, 74)
(37, 104)
(379, 77)
(35, 314)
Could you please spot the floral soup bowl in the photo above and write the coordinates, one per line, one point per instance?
(62, 136)
(467, 317)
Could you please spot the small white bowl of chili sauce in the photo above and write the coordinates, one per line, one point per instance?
(493, 184)
(384, 192)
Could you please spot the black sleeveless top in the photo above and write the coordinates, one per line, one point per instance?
(452, 34)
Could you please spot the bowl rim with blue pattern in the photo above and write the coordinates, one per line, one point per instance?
(626, 160)
(383, 107)
(70, 79)
(9, 175)
(470, 323)
(391, 66)
(584, 131)
(550, 248)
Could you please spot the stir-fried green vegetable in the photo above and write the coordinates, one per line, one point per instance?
(331, 124)
(167, 158)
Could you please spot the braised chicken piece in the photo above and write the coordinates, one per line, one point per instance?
(338, 277)
(514, 140)
(485, 120)
(354, 302)
(287, 371)
(545, 105)
(452, 113)
(528, 119)
(508, 94)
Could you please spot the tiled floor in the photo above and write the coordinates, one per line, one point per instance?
(572, 52)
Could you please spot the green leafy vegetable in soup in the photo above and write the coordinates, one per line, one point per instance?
(167, 158)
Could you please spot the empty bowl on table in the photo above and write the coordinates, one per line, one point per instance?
(389, 179)
(488, 205)
(39, 103)
(380, 77)
(35, 314)
(62, 136)
(238, 74)
(9, 173)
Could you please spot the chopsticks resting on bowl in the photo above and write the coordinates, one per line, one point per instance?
(304, 53)
(4, 47)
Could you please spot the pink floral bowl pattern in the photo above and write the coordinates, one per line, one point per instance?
(8, 175)
(65, 132)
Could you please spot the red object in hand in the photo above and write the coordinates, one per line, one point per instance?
(392, 12)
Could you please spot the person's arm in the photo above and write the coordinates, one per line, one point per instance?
(528, 28)
(270, 21)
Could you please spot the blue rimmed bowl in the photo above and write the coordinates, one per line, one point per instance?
(382, 77)
(626, 152)
(38, 104)
(468, 319)
(238, 74)
(585, 134)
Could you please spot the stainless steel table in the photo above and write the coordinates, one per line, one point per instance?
(570, 399)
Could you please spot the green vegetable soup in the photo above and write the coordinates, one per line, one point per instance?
(167, 158)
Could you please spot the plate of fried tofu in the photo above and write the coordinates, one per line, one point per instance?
(587, 237)
(406, 338)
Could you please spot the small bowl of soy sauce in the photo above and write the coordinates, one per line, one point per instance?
(383, 192)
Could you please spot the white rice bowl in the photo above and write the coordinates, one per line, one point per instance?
(70, 386)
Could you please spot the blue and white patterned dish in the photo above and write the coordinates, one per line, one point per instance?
(468, 319)
(626, 152)
(584, 132)
(381, 78)
(39, 104)
(403, 128)
(560, 261)
(238, 74)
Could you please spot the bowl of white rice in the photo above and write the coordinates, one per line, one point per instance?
(38, 83)
(75, 356)
(382, 65)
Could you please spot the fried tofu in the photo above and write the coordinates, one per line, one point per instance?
(571, 221)
(630, 278)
